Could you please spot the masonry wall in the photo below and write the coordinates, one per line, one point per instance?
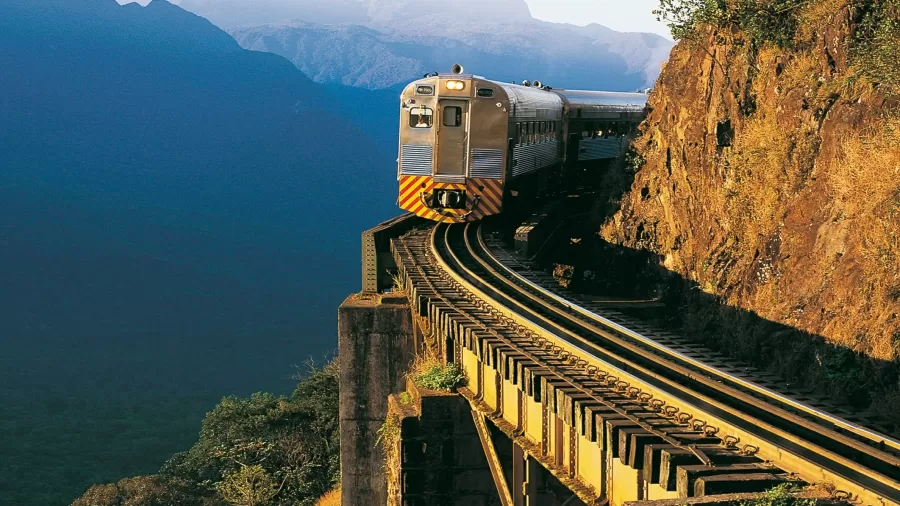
(375, 345)
(436, 458)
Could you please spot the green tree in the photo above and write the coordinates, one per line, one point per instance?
(147, 491)
(293, 440)
(250, 486)
(761, 21)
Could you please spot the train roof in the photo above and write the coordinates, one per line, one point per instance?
(529, 98)
(526, 102)
(603, 99)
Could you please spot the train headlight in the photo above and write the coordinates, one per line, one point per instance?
(456, 85)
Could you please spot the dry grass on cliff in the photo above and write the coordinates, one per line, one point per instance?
(867, 175)
(865, 183)
(332, 498)
(758, 179)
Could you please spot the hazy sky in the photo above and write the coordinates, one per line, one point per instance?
(624, 16)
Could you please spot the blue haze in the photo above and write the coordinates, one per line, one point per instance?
(179, 220)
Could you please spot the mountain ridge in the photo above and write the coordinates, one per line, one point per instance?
(380, 56)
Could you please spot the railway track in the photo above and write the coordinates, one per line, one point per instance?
(669, 393)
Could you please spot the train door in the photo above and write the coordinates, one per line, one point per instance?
(452, 137)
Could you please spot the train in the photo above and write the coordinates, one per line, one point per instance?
(471, 147)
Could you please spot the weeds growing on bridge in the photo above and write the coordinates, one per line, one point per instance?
(439, 377)
(782, 495)
(428, 372)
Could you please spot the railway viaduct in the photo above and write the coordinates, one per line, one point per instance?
(563, 403)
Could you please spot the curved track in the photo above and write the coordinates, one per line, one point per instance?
(823, 444)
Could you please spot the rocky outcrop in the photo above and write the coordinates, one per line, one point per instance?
(770, 181)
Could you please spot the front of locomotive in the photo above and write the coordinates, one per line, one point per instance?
(453, 147)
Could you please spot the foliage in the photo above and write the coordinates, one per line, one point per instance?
(782, 495)
(876, 51)
(146, 491)
(634, 160)
(251, 448)
(405, 398)
(388, 434)
(762, 21)
(249, 486)
(439, 377)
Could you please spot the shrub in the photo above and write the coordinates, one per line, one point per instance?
(146, 491)
(248, 444)
(876, 50)
(439, 377)
(782, 495)
(249, 486)
(762, 21)
(388, 433)
(428, 372)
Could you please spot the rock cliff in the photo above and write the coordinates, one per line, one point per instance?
(769, 182)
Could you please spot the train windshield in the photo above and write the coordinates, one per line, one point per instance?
(421, 117)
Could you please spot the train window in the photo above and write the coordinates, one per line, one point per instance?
(421, 117)
(452, 116)
(485, 92)
(532, 131)
(518, 133)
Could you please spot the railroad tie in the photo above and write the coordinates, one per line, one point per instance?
(641, 440)
(671, 457)
(614, 428)
(687, 476)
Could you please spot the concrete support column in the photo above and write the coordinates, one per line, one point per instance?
(375, 345)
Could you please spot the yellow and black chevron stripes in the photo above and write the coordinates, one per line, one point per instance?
(488, 193)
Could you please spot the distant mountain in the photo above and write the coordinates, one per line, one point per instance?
(157, 104)
(235, 13)
(381, 44)
(390, 52)
(179, 219)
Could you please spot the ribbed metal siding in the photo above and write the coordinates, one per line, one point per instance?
(599, 149)
(487, 163)
(534, 156)
(416, 160)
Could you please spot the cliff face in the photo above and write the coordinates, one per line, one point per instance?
(771, 180)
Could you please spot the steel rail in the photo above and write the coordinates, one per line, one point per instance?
(875, 437)
(669, 439)
(708, 382)
(789, 437)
